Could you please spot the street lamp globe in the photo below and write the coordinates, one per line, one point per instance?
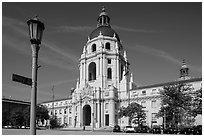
(36, 28)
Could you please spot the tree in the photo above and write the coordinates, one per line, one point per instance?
(17, 119)
(175, 103)
(135, 113)
(26, 114)
(41, 114)
(197, 103)
(54, 123)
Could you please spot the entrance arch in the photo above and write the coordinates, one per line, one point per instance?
(87, 115)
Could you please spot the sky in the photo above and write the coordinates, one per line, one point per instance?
(156, 36)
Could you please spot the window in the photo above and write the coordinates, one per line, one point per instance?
(108, 46)
(55, 112)
(70, 110)
(153, 103)
(92, 71)
(56, 103)
(70, 120)
(154, 117)
(106, 106)
(96, 112)
(76, 108)
(116, 106)
(60, 121)
(109, 61)
(143, 103)
(144, 92)
(154, 91)
(121, 72)
(60, 111)
(109, 72)
(65, 111)
(93, 47)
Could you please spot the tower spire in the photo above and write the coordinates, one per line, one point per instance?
(184, 71)
(103, 19)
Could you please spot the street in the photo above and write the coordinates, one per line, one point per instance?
(61, 132)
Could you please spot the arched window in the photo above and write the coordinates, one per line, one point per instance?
(109, 73)
(92, 71)
(121, 72)
(108, 46)
(93, 47)
(104, 20)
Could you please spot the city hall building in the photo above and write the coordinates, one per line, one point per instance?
(105, 84)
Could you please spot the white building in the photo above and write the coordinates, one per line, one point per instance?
(105, 84)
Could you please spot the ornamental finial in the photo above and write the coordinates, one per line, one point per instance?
(103, 9)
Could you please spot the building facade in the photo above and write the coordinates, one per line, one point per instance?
(10, 106)
(105, 84)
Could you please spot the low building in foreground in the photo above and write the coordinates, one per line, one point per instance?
(10, 106)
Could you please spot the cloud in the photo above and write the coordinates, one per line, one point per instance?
(60, 52)
(79, 29)
(15, 36)
(56, 83)
(163, 55)
(71, 29)
(133, 29)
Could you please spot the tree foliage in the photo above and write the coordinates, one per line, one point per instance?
(20, 118)
(54, 123)
(135, 113)
(176, 103)
(17, 119)
(42, 113)
(197, 103)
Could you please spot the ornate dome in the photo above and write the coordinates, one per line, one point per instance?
(103, 27)
(105, 31)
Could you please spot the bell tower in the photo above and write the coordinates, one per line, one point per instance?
(104, 76)
(103, 62)
(184, 71)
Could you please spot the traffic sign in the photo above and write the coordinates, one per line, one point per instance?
(21, 79)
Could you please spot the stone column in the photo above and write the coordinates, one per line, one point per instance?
(85, 71)
(99, 108)
(102, 113)
(101, 71)
(99, 65)
(73, 115)
(112, 113)
(80, 113)
(99, 111)
(104, 71)
(92, 114)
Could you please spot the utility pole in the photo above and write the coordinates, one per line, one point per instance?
(53, 100)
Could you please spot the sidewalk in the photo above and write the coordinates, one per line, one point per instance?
(107, 129)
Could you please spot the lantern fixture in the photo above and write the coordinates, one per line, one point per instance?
(35, 30)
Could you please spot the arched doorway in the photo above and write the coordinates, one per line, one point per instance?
(87, 115)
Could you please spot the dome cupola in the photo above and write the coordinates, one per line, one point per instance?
(103, 19)
(103, 27)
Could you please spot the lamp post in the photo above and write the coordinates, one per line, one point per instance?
(35, 32)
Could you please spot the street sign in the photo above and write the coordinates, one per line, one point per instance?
(21, 79)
